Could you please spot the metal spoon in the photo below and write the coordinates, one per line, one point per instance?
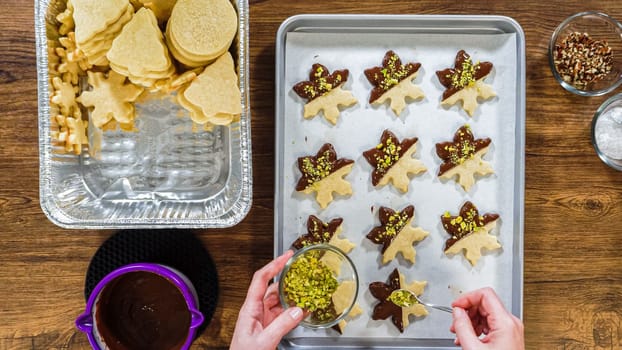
(438, 307)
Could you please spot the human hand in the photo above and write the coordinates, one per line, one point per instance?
(481, 312)
(262, 322)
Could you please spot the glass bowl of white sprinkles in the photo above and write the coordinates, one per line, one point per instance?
(607, 132)
(585, 54)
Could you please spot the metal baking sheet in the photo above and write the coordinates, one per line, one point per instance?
(357, 42)
(170, 173)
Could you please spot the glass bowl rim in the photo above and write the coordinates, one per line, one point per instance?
(341, 254)
(555, 35)
(601, 109)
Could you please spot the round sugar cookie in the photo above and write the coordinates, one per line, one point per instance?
(202, 29)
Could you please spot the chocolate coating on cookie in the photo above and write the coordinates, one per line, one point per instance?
(318, 167)
(464, 74)
(386, 154)
(465, 223)
(463, 148)
(389, 74)
(320, 82)
(317, 232)
(391, 223)
(385, 307)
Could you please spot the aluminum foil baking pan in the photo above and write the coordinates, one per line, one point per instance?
(168, 174)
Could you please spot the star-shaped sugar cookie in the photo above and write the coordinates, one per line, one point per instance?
(462, 157)
(324, 174)
(393, 81)
(65, 19)
(111, 98)
(341, 299)
(393, 161)
(395, 233)
(324, 92)
(470, 232)
(64, 97)
(319, 232)
(465, 82)
(72, 53)
(392, 304)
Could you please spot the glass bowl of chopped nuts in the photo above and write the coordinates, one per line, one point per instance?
(585, 54)
(323, 282)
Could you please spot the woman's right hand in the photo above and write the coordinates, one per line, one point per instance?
(481, 312)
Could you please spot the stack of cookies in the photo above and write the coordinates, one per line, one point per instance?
(97, 23)
(213, 98)
(199, 31)
(139, 52)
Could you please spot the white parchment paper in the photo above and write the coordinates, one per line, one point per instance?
(359, 128)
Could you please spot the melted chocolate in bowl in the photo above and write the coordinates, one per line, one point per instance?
(142, 310)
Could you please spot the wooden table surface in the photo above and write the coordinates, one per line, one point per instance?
(573, 202)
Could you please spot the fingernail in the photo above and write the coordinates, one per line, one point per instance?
(295, 312)
(458, 311)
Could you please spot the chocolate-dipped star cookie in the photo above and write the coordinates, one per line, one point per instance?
(324, 232)
(393, 303)
(465, 82)
(395, 233)
(470, 231)
(321, 232)
(323, 174)
(393, 81)
(463, 157)
(324, 92)
(393, 161)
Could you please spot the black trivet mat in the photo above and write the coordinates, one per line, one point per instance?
(178, 249)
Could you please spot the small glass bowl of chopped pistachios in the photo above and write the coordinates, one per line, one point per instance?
(321, 280)
(585, 54)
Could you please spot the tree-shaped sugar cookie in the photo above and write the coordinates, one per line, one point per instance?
(111, 98)
(396, 303)
(393, 81)
(465, 82)
(393, 161)
(462, 157)
(214, 95)
(139, 52)
(324, 92)
(470, 232)
(323, 174)
(395, 233)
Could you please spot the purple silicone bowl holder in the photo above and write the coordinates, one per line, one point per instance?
(85, 322)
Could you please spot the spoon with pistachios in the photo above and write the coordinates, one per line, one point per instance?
(406, 298)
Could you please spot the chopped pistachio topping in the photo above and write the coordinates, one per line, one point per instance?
(471, 222)
(402, 298)
(322, 168)
(310, 91)
(462, 151)
(320, 233)
(392, 74)
(390, 155)
(465, 76)
(323, 86)
(310, 284)
(396, 222)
